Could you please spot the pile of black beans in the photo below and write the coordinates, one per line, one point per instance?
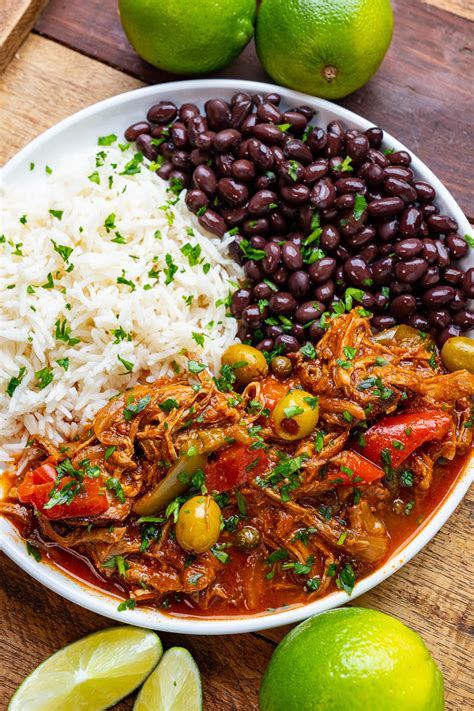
(317, 215)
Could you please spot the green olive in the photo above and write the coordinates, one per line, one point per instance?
(248, 363)
(296, 415)
(281, 366)
(199, 524)
(458, 353)
(247, 538)
(400, 334)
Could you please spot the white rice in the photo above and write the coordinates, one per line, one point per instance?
(159, 319)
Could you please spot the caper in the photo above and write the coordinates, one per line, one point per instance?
(458, 353)
(247, 363)
(295, 416)
(247, 538)
(199, 524)
(281, 366)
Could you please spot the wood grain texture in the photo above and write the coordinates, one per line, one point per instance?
(432, 594)
(463, 8)
(17, 17)
(422, 93)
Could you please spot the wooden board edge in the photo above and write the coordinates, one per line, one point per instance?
(16, 19)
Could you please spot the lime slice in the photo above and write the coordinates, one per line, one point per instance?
(175, 685)
(91, 674)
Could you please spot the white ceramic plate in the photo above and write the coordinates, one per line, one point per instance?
(80, 131)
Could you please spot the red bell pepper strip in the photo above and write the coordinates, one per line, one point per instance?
(233, 466)
(355, 470)
(399, 435)
(38, 485)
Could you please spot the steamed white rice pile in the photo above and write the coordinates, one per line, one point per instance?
(105, 278)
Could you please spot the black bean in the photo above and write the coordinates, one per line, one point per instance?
(258, 242)
(453, 276)
(218, 114)
(449, 332)
(244, 334)
(239, 113)
(344, 203)
(198, 156)
(259, 226)
(381, 301)
(309, 311)
(187, 111)
(196, 126)
(297, 194)
(306, 111)
(299, 332)
(411, 270)
(443, 255)
(429, 210)
(280, 277)
(322, 270)
(271, 261)
(458, 301)
(400, 287)
(165, 171)
(324, 292)
(387, 231)
(167, 149)
(273, 331)
(260, 153)
(163, 112)
(273, 98)
(145, 146)
(243, 170)
(468, 283)
(335, 134)
(424, 231)
(239, 97)
(369, 253)
(240, 299)
(457, 246)
(292, 172)
(298, 150)
(410, 222)
(282, 303)
(136, 129)
(262, 291)
(269, 134)
(182, 160)
(441, 224)
(408, 248)
(290, 344)
(266, 182)
(375, 136)
(226, 140)
(278, 223)
(403, 306)
(299, 283)
(232, 192)
(204, 178)
(323, 193)
(385, 207)
(350, 185)
(223, 163)
(233, 215)
(248, 124)
(266, 344)
(399, 171)
(439, 318)
(382, 270)
(196, 199)
(330, 238)
(213, 222)
(372, 173)
(430, 277)
(438, 295)
(297, 121)
(429, 251)
(317, 139)
(262, 202)
(400, 188)
(382, 323)
(425, 192)
(357, 148)
(464, 319)
(399, 158)
(361, 238)
(357, 271)
(253, 316)
(419, 322)
(179, 135)
(179, 179)
(291, 256)
(376, 156)
(268, 113)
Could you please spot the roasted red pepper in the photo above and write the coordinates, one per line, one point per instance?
(233, 466)
(400, 435)
(38, 485)
(355, 470)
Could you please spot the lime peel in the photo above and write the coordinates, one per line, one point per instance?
(175, 685)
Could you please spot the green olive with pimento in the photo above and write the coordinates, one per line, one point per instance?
(457, 353)
(248, 363)
(296, 415)
(199, 524)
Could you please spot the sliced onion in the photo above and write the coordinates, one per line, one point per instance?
(170, 487)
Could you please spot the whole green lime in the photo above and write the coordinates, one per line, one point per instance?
(328, 48)
(352, 659)
(188, 37)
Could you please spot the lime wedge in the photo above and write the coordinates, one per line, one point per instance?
(91, 674)
(175, 685)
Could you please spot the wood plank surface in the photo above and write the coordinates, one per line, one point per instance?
(463, 8)
(17, 17)
(422, 93)
(432, 594)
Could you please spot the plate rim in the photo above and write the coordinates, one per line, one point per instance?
(104, 603)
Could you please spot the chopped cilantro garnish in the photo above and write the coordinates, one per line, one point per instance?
(15, 381)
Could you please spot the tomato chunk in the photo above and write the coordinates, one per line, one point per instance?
(400, 435)
(233, 466)
(273, 390)
(38, 484)
(355, 470)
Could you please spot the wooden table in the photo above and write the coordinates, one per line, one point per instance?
(76, 55)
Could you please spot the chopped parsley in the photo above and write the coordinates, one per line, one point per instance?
(168, 405)
(128, 365)
(133, 409)
(107, 140)
(115, 486)
(250, 252)
(126, 605)
(63, 363)
(33, 551)
(58, 214)
(44, 377)
(360, 204)
(346, 579)
(15, 381)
